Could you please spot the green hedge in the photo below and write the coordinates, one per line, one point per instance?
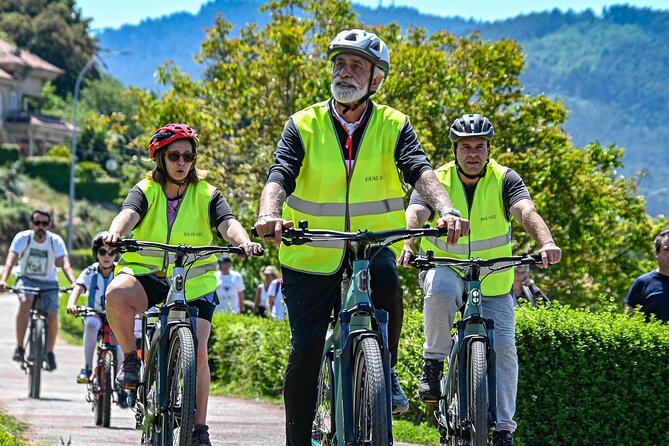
(55, 171)
(100, 190)
(9, 153)
(585, 378)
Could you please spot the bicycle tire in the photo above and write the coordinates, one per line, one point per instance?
(450, 406)
(181, 385)
(106, 388)
(37, 346)
(96, 385)
(323, 426)
(147, 394)
(371, 407)
(478, 398)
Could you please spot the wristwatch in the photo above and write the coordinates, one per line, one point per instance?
(452, 211)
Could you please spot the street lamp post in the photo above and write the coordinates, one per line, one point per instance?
(73, 162)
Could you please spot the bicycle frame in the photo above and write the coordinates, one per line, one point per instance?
(472, 326)
(174, 313)
(353, 324)
(157, 340)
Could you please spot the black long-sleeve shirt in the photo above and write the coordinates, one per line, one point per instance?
(410, 157)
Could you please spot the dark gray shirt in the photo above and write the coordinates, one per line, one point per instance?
(409, 154)
(513, 190)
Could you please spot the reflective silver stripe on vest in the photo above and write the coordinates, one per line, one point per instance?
(479, 245)
(339, 209)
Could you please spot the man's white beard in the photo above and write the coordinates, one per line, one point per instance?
(345, 95)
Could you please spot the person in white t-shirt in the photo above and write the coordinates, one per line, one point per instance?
(229, 288)
(277, 309)
(37, 252)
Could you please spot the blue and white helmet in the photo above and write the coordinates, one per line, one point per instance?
(361, 43)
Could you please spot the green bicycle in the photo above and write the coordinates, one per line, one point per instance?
(354, 386)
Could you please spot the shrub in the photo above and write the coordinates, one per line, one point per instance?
(585, 378)
(52, 170)
(99, 190)
(9, 153)
(60, 151)
(89, 171)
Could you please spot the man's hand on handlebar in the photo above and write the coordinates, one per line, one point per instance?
(406, 255)
(550, 254)
(456, 226)
(271, 228)
(252, 248)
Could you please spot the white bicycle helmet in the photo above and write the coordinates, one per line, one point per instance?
(362, 43)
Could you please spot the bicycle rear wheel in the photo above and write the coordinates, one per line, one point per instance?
(478, 398)
(323, 427)
(181, 385)
(372, 410)
(37, 346)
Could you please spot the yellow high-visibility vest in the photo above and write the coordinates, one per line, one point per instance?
(191, 227)
(371, 199)
(490, 229)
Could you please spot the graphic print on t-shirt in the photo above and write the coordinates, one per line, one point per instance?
(36, 262)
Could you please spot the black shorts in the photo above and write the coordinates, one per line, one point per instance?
(156, 291)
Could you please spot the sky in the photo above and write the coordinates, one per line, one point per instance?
(113, 14)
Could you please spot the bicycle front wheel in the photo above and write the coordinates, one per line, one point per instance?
(181, 385)
(478, 398)
(37, 346)
(372, 410)
(323, 427)
(106, 387)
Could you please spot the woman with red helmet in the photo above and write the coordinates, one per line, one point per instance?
(174, 205)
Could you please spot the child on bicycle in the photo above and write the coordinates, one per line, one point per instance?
(93, 280)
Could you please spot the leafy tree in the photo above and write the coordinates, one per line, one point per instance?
(52, 29)
(257, 78)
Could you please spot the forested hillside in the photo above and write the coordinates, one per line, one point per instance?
(608, 67)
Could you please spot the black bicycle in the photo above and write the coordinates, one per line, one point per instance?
(36, 343)
(468, 403)
(101, 386)
(165, 397)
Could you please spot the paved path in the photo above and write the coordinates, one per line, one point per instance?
(63, 417)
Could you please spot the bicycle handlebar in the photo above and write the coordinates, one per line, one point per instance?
(29, 289)
(302, 235)
(429, 261)
(84, 311)
(131, 245)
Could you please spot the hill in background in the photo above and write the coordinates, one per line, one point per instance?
(609, 68)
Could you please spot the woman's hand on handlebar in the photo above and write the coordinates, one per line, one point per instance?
(271, 228)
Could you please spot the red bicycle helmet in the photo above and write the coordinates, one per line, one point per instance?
(170, 133)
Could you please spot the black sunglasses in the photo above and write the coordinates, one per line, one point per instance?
(41, 223)
(174, 157)
(104, 252)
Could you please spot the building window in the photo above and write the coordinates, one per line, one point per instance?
(14, 102)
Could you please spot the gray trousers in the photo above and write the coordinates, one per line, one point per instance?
(443, 289)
